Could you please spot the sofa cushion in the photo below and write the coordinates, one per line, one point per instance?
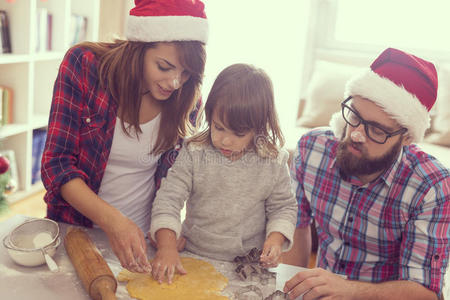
(440, 133)
(440, 152)
(325, 92)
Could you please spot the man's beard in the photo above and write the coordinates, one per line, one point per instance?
(351, 165)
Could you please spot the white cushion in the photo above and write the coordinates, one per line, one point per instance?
(440, 133)
(325, 92)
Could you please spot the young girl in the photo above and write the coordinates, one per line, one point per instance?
(116, 108)
(234, 178)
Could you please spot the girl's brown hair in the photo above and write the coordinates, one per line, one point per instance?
(121, 73)
(242, 95)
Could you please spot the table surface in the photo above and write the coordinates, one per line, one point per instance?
(19, 282)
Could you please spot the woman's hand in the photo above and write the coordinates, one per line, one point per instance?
(165, 263)
(128, 244)
(125, 237)
(271, 252)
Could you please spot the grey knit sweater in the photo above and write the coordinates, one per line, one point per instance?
(232, 206)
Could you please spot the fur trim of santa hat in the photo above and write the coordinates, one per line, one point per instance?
(167, 20)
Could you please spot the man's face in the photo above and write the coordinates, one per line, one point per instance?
(357, 154)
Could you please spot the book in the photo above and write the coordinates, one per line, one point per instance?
(5, 33)
(49, 32)
(42, 28)
(1, 35)
(7, 105)
(39, 137)
(1, 106)
(78, 29)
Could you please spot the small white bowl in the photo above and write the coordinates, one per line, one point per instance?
(21, 247)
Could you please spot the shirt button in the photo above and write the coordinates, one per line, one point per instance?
(342, 265)
(88, 120)
(436, 257)
(350, 219)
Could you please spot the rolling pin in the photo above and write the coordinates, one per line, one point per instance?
(94, 272)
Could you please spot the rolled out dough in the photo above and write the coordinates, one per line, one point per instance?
(202, 281)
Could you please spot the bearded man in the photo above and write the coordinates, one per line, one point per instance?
(380, 204)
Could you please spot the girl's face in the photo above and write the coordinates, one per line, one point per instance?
(231, 144)
(163, 73)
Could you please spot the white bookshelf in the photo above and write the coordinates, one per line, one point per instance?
(31, 74)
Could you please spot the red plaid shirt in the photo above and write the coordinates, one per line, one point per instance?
(80, 134)
(394, 228)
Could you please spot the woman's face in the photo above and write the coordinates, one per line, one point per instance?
(163, 73)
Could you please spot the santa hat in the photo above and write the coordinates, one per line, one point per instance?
(167, 20)
(404, 85)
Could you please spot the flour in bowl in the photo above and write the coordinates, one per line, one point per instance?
(42, 239)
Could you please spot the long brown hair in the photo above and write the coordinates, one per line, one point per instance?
(242, 95)
(121, 73)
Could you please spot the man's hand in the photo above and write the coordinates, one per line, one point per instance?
(318, 284)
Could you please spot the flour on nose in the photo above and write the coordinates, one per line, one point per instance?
(358, 137)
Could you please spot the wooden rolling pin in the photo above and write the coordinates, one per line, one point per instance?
(97, 278)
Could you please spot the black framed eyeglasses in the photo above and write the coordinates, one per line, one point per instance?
(373, 131)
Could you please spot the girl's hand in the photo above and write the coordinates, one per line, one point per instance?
(181, 242)
(165, 263)
(271, 252)
(128, 243)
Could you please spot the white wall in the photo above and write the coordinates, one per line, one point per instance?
(113, 15)
(268, 34)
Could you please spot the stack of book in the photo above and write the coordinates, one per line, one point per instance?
(6, 105)
(5, 40)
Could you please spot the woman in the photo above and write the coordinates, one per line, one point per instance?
(116, 108)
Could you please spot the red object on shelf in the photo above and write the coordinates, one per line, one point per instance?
(4, 164)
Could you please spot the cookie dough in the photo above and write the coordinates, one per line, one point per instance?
(202, 281)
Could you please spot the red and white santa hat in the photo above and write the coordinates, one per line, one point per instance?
(167, 20)
(404, 85)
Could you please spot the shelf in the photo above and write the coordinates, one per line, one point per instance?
(51, 55)
(31, 73)
(39, 121)
(7, 58)
(20, 194)
(12, 129)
